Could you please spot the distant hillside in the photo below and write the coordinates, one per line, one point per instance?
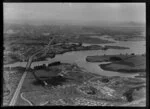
(131, 24)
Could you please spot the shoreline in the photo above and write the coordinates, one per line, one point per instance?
(104, 67)
(75, 48)
(121, 63)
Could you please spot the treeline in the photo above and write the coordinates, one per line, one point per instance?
(43, 66)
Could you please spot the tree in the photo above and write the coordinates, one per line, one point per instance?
(114, 58)
(132, 54)
(80, 44)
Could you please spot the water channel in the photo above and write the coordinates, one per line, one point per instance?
(78, 57)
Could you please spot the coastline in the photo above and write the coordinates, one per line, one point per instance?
(104, 67)
(121, 63)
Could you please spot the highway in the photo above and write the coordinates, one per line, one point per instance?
(17, 91)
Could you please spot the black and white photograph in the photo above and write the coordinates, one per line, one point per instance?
(74, 54)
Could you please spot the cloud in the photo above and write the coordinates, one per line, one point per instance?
(77, 12)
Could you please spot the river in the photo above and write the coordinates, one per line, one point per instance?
(78, 57)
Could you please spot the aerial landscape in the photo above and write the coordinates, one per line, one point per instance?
(73, 54)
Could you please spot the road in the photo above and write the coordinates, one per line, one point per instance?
(15, 96)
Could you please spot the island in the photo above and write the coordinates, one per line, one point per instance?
(129, 63)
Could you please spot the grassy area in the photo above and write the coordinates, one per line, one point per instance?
(132, 64)
(121, 63)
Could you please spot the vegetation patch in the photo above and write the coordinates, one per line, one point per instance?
(53, 81)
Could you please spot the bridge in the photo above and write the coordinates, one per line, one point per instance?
(28, 65)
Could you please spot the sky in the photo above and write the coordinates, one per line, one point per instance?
(75, 12)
